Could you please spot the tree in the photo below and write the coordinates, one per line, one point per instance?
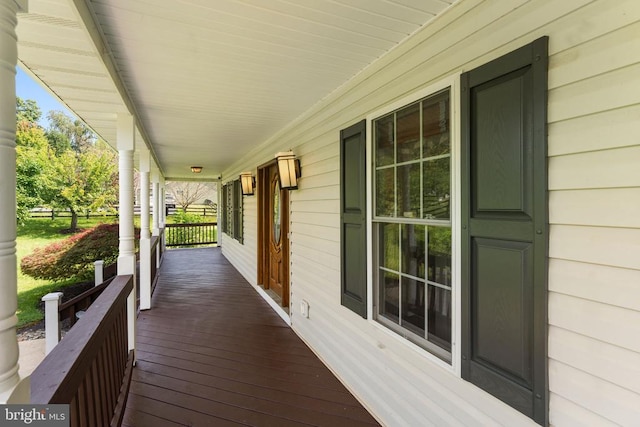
(82, 181)
(32, 166)
(58, 142)
(65, 167)
(187, 193)
(27, 110)
(61, 126)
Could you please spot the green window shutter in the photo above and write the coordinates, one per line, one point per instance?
(504, 229)
(353, 230)
(237, 211)
(223, 211)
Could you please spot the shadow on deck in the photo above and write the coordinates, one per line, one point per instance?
(211, 352)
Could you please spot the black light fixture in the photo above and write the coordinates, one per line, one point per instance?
(288, 170)
(248, 183)
(196, 169)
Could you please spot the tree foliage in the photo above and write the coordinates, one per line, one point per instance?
(58, 142)
(32, 167)
(61, 126)
(64, 167)
(74, 256)
(187, 218)
(82, 181)
(27, 110)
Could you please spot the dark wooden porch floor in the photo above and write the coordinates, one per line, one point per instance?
(212, 352)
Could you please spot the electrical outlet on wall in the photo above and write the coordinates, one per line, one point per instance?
(304, 308)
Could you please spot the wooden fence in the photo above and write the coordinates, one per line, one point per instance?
(206, 211)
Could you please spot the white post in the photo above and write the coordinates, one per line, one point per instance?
(127, 255)
(51, 320)
(163, 213)
(98, 273)
(156, 205)
(145, 236)
(9, 378)
(156, 212)
(163, 203)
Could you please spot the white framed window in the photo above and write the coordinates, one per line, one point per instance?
(413, 217)
(232, 201)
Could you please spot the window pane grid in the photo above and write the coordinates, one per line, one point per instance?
(412, 183)
(413, 303)
(438, 285)
(420, 221)
(441, 156)
(398, 185)
(411, 277)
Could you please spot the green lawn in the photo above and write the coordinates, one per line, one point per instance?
(36, 233)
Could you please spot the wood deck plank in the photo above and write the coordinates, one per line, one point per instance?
(171, 413)
(211, 351)
(284, 367)
(137, 418)
(349, 410)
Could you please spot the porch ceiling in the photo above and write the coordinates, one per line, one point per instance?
(208, 80)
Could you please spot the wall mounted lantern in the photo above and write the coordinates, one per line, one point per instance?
(288, 170)
(196, 169)
(248, 183)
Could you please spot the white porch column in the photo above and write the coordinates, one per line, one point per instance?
(9, 378)
(163, 203)
(127, 255)
(163, 213)
(145, 235)
(155, 229)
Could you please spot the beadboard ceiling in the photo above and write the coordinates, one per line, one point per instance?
(207, 80)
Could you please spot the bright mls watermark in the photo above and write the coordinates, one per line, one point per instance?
(34, 415)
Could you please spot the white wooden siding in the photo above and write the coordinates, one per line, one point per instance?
(594, 204)
(244, 255)
(594, 132)
(563, 412)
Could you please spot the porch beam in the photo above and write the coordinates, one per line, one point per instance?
(9, 377)
(127, 256)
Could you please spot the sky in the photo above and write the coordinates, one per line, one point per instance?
(27, 88)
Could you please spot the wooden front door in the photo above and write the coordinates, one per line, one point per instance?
(273, 268)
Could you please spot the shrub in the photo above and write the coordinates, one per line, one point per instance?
(187, 218)
(74, 256)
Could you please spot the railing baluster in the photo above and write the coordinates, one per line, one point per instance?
(97, 393)
(83, 412)
(191, 234)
